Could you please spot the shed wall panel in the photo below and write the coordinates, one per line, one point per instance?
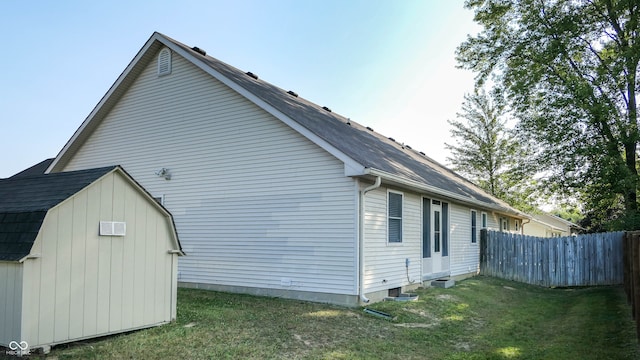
(48, 270)
(104, 256)
(255, 203)
(63, 273)
(79, 265)
(11, 275)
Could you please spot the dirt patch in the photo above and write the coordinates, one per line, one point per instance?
(446, 297)
(421, 313)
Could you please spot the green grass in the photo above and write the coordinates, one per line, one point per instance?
(479, 318)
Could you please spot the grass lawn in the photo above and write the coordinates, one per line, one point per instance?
(479, 318)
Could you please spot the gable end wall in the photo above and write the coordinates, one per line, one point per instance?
(256, 205)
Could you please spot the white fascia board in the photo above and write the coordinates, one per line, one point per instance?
(105, 98)
(351, 167)
(155, 204)
(30, 256)
(421, 187)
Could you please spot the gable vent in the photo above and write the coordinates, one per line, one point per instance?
(113, 228)
(250, 74)
(326, 108)
(292, 93)
(199, 51)
(164, 62)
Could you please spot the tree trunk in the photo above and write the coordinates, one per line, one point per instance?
(631, 196)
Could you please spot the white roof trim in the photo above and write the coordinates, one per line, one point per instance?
(155, 204)
(105, 98)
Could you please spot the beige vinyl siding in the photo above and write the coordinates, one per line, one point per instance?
(10, 302)
(385, 262)
(255, 203)
(464, 255)
(84, 285)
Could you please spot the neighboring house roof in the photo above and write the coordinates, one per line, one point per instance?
(37, 169)
(26, 200)
(555, 222)
(364, 152)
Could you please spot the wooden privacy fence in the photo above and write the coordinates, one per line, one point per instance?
(583, 260)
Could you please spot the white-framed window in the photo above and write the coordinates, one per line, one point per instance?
(437, 226)
(483, 222)
(474, 226)
(394, 217)
(516, 225)
(504, 224)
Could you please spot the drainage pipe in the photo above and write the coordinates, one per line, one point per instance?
(364, 191)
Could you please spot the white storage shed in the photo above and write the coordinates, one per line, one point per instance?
(83, 254)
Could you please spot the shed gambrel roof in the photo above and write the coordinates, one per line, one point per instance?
(364, 152)
(25, 200)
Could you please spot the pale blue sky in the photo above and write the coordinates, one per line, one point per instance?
(385, 64)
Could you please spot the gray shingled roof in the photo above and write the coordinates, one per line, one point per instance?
(363, 145)
(37, 169)
(25, 200)
(376, 153)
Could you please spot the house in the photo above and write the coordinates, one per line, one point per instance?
(83, 254)
(548, 225)
(275, 195)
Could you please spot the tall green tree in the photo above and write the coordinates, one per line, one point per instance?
(569, 69)
(487, 152)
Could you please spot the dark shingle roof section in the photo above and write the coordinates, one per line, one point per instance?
(370, 149)
(25, 200)
(37, 169)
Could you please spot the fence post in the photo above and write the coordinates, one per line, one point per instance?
(483, 251)
(626, 251)
(635, 250)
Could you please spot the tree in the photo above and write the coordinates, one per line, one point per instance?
(487, 152)
(570, 72)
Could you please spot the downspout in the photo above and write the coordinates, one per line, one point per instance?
(364, 191)
(523, 224)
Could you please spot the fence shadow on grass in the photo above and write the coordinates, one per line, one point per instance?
(583, 260)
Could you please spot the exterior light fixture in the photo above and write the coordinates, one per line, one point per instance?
(164, 173)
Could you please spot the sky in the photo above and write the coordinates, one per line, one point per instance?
(386, 64)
